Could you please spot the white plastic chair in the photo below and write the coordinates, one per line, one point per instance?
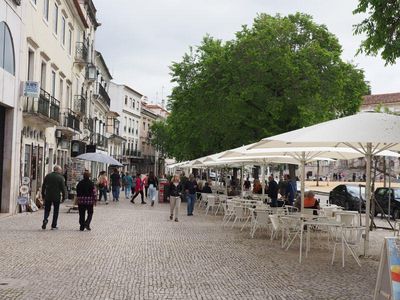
(352, 237)
(240, 215)
(260, 219)
(275, 226)
(211, 202)
(229, 212)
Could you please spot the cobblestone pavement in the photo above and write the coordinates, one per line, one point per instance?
(135, 252)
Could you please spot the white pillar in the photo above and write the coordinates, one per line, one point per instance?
(368, 157)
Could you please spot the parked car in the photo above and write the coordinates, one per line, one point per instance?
(350, 197)
(382, 197)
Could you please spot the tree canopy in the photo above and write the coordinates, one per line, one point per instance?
(382, 28)
(281, 74)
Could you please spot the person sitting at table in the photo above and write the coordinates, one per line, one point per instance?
(310, 202)
(206, 189)
(257, 188)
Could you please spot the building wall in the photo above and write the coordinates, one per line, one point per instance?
(11, 14)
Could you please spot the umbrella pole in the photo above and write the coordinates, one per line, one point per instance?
(303, 175)
(242, 180)
(263, 181)
(368, 157)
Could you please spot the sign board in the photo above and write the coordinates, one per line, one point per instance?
(388, 280)
(31, 89)
(22, 200)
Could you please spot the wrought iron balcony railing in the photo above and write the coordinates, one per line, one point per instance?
(71, 120)
(45, 106)
(80, 105)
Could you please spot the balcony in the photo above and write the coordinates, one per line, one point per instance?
(80, 105)
(101, 140)
(82, 52)
(104, 95)
(44, 110)
(71, 120)
(88, 123)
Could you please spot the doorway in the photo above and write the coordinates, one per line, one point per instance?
(2, 125)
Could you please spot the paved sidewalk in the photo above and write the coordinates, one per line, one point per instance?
(135, 252)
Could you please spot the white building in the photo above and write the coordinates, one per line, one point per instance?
(127, 103)
(11, 37)
(59, 53)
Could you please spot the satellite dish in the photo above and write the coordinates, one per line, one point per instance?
(26, 180)
(24, 189)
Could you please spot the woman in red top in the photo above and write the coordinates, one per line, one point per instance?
(138, 189)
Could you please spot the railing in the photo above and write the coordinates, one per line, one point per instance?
(80, 105)
(46, 105)
(88, 124)
(71, 120)
(104, 95)
(82, 52)
(101, 140)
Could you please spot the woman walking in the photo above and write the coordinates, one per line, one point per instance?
(174, 196)
(86, 195)
(128, 182)
(102, 183)
(153, 185)
(138, 189)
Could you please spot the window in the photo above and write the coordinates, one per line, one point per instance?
(61, 90)
(53, 83)
(46, 10)
(31, 60)
(63, 30)
(68, 95)
(55, 24)
(43, 75)
(126, 100)
(7, 59)
(70, 42)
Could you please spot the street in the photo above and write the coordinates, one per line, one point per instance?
(135, 252)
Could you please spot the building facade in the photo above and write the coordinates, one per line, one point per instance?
(127, 103)
(11, 43)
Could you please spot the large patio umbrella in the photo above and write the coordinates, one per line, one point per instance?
(368, 133)
(100, 157)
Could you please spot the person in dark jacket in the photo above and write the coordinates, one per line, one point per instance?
(206, 189)
(175, 193)
(272, 191)
(86, 195)
(52, 189)
(190, 190)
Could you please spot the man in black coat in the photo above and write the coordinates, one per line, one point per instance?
(272, 191)
(52, 189)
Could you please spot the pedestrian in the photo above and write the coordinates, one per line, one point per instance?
(190, 191)
(153, 185)
(86, 195)
(128, 182)
(175, 193)
(115, 184)
(138, 189)
(290, 190)
(145, 180)
(272, 191)
(247, 184)
(102, 185)
(53, 191)
(122, 180)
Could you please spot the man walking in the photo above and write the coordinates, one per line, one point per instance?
(272, 191)
(190, 189)
(115, 184)
(52, 188)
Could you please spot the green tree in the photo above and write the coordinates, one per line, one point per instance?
(281, 74)
(382, 28)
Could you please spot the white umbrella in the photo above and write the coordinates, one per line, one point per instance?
(100, 157)
(368, 133)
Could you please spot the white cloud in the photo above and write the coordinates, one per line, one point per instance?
(140, 39)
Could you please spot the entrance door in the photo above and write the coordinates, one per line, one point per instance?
(2, 125)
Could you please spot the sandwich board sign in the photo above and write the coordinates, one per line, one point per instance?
(388, 281)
